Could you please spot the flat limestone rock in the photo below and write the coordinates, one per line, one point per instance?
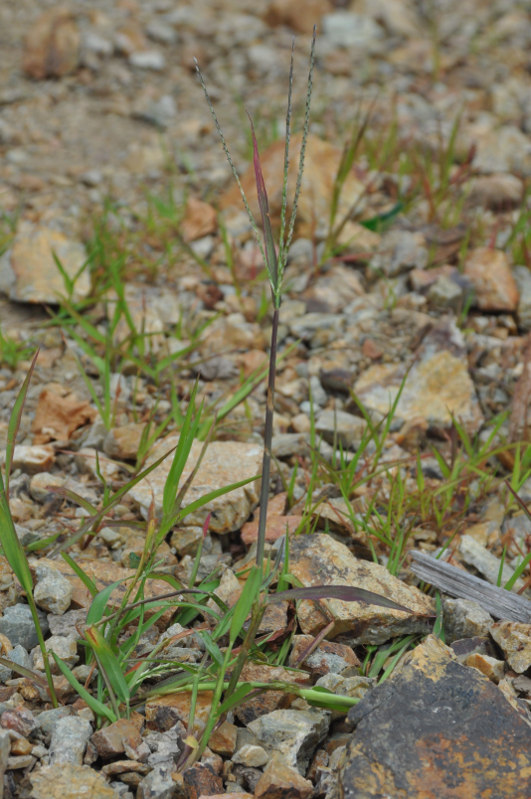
(223, 463)
(438, 384)
(29, 272)
(437, 730)
(319, 559)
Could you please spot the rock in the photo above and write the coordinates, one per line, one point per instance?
(321, 165)
(123, 442)
(487, 564)
(438, 384)
(224, 462)
(20, 720)
(52, 591)
(163, 712)
(223, 739)
(489, 272)
(435, 727)
(522, 277)
(308, 326)
(499, 192)
(90, 461)
(491, 667)
(199, 220)
(64, 647)
(327, 657)
(103, 573)
(352, 31)
(47, 720)
(69, 740)
(464, 618)
(341, 428)
(446, 293)
(251, 755)
(17, 655)
(300, 16)
(503, 149)
(318, 559)
(17, 624)
(399, 251)
(51, 46)
(293, 734)
(514, 639)
(33, 459)
(29, 273)
(199, 780)
(116, 738)
(280, 781)
(148, 59)
(69, 781)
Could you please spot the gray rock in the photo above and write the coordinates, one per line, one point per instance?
(69, 740)
(446, 293)
(47, 720)
(53, 591)
(487, 564)
(399, 252)
(464, 618)
(341, 427)
(294, 734)
(158, 784)
(148, 59)
(17, 655)
(251, 755)
(307, 326)
(350, 30)
(64, 647)
(522, 275)
(17, 624)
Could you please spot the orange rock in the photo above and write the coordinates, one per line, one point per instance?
(280, 781)
(51, 47)
(200, 219)
(489, 272)
(300, 15)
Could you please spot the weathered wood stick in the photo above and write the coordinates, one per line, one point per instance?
(498, 602)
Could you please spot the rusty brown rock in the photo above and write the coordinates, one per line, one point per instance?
(489, 272)
(436, 729)
(223, 739)
(321, 560)
(300, 15)
(162, 712)
(112, 740)
(200, 780)
(280, 781)
(51, 46)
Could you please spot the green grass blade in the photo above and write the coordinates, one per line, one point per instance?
(99, 708)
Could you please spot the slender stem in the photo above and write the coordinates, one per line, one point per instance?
(44, 651)
(268, 437)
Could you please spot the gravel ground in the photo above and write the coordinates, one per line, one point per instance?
(416, 294)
